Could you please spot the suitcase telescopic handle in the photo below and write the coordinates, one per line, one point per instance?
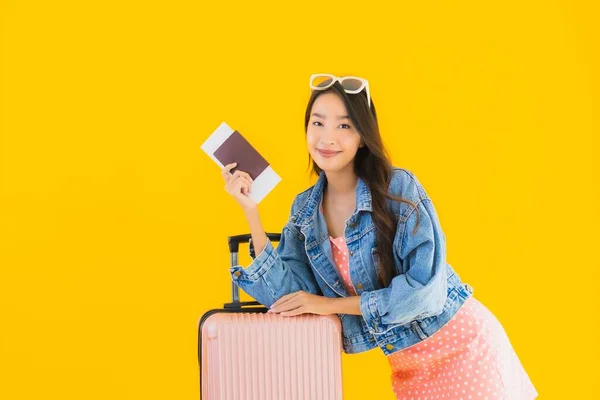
(234, 241)
(234, 246)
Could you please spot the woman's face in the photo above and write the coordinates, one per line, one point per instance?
(331, 136)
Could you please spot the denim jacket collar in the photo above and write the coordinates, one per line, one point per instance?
(308, 212)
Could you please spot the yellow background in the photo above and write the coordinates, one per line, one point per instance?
(113, 223)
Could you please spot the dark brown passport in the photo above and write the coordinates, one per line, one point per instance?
(237, 149)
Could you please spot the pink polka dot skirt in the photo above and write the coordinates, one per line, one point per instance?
(470, 358)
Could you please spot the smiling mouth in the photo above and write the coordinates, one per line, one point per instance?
(328, 153)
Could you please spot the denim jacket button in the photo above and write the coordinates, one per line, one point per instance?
(359, 286)
(237, 273)
(389, 346)
(352, 224)
(351, 253)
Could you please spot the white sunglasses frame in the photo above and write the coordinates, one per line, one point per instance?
(365, 84)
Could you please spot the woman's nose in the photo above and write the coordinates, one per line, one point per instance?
(327, 137)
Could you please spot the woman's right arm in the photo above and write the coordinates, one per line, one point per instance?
(275, 272)
(259, 236)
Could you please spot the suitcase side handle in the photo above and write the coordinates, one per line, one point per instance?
(234, 246)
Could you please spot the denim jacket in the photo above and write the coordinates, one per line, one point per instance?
(421, 298)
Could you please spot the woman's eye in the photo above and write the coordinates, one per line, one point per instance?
(342, 125)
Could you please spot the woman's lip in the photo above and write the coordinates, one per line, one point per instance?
(327, 152)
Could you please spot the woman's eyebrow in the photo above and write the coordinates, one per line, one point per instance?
(322, 116)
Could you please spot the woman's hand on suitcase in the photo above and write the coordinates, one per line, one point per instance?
(301, 302)
(238, 185)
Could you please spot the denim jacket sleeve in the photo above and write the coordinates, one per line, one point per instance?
(276, 272)
(420, 291)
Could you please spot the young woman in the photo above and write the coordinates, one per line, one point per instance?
(365, 243)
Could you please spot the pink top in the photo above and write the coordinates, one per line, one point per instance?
(341, 261)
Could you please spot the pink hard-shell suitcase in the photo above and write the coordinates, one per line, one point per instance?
(246, 354)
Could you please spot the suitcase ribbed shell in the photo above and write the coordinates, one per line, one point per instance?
(259, 356)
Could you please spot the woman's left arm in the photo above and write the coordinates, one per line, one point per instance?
(421, 291)
(302, 302)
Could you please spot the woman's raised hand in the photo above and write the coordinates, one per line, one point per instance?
(238, 185)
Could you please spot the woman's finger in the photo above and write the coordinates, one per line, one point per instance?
(242, 173)
(282, 299)
(289, 305)
(234, 185)
(234, 179)
(240, 185)
(298, 311)
(282, 303)
(225, 172)
(246, 186)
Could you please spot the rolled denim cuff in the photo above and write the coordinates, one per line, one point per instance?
(368, 309)
(258, 267)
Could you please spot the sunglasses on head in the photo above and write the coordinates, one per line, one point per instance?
(351, 84)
